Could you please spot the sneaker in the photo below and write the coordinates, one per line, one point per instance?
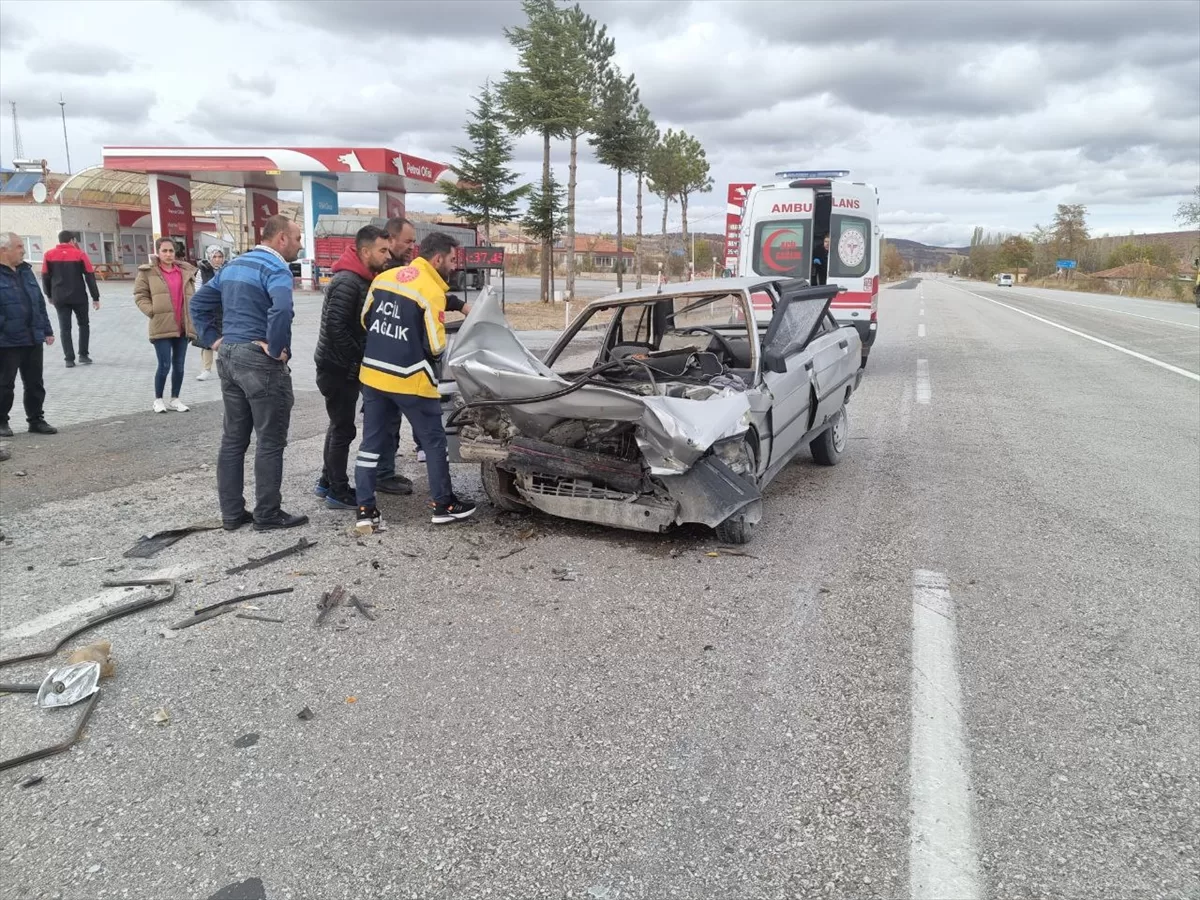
(452, 512)
(281, 520)
(160, 405)
(5, 430)
(84, 359)
(234, 524)
(177, 405)
(420, 456)
(41, 426)
(369, 521)
(341, 500)
(321, 489)
(204, 375)
(394, 484)
(70, 363)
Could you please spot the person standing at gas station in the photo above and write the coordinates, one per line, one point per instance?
(254, 296)
(67, 279)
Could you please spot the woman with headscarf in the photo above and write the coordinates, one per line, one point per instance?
(214, 258)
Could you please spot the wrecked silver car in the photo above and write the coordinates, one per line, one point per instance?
(655, 408)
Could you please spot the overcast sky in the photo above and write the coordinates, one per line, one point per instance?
(963, 114)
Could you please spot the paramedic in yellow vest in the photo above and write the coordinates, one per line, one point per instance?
(404, 318)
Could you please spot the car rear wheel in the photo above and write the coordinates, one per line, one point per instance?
(498, 485)
(828, 448)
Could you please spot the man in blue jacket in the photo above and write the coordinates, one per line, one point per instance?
(254, 296)
(24, 327)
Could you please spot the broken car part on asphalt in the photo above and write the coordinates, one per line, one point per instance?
(104, 617)
(68, 685)
(242, 597)
(149, 545)
(302, 544)
(61, 747)
(655, 408)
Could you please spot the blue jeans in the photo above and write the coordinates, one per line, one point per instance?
(381, 412)
(171, 353)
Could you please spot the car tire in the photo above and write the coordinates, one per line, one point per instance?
(498, 487)
(735, 531)
(827, 449)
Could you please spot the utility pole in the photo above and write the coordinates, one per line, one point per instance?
(62, 107)
(18, 147)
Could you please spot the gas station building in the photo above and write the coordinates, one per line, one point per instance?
(139, 194)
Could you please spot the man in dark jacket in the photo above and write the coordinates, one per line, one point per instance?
(340, 343)
(67, 279)
(24, 327)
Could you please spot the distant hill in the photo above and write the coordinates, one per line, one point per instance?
(922, 257)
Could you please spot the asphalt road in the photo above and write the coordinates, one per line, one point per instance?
(525, 290)
(961, 663)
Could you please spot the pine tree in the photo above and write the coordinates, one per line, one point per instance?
(485, 194)
(646, 140)
(546, 218)
(616, 143)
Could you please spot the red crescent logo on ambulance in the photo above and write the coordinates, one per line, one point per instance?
(768, 246)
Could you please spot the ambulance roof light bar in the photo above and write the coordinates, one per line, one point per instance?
(814, 174)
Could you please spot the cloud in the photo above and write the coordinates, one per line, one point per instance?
(261, 84)
(71, 58)
(85, 99)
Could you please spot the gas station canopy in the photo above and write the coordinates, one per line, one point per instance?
(356, 169)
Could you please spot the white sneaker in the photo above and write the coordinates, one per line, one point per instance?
(420, 456)
(177, 405)
(160, 405)
(204, 375)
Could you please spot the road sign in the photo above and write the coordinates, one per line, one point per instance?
(1066, 263)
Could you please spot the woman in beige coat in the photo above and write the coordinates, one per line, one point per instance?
(162, 291)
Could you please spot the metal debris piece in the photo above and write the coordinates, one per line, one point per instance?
(410, 554)
(201, 617)
(513, 552)
(329, 601)
(254, 618)
(68, 685)
(305, 715)
(302, 544)
(246, 740)
(241, 597)
(67, 563)
(565, 574)
(162, 716)
(149, 545)
(362, 608)
(55, 749)
(104, 617)
(32, 780)
(733, 551)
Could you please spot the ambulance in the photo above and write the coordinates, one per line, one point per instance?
(779, 229)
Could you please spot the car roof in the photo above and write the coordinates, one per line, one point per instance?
(691, 288)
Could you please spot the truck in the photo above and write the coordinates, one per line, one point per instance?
(336, 233)
(779, 229)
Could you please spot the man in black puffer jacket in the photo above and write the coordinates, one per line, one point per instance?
(339, 354)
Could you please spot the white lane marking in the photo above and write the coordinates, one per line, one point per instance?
(80, 609)
(1143, 357)
(921, 330)
(922, 311)
(1119, 312)
(924, 390)
(943, 857)
(906, 399)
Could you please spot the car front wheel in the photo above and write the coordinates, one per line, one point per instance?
(827, 449)
(498, 485)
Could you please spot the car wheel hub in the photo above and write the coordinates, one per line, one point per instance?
(839, 432)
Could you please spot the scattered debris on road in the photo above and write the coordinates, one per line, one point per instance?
(242, 598)
(162, 716)
(302, 544)
(565, 574)
(253, 618)
(329, 601)
(100, 653)
(513, 552)
(32, 780)
(68, 563)
(306, 715)
(149, 545)
(246, 740)
(61, 747)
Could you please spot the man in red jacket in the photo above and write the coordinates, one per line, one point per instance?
(67, 279)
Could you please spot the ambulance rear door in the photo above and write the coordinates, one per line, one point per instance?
(777, 232)
(854, 253)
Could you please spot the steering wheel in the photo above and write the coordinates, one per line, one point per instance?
(712, 332)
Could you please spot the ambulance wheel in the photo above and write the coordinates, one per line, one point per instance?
(498, 485)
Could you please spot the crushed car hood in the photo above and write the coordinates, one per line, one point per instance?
(488, 362)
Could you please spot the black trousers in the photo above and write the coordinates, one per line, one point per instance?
(28, 362)
(341, 404)
(64, 330)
